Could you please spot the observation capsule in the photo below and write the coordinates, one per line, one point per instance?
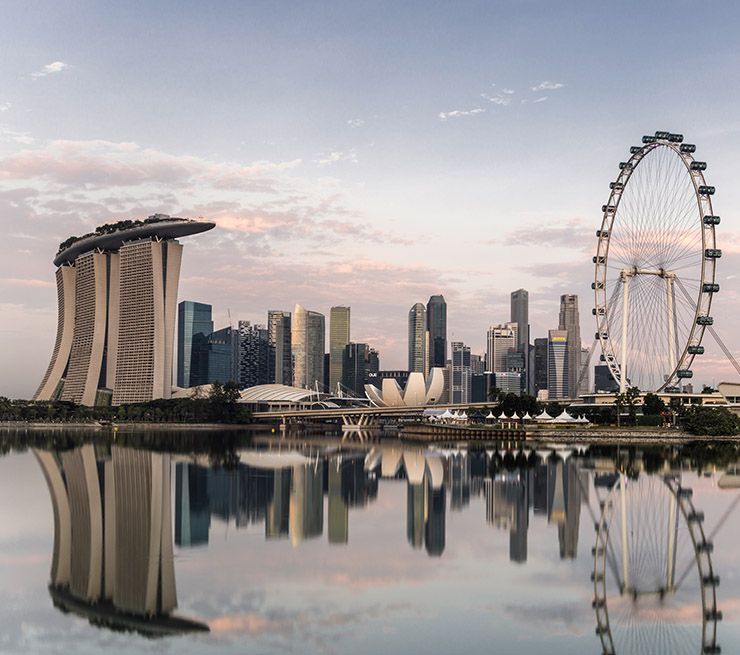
(710, 287)
(625, 164)
(616, 185)
(713, 253)
(685, 374)
(609, 209)
(635, 149)
(599, 260)
(711, 220)
(706, 190)
(696, 350)
(698, 166)
(649, 139)
(600, 311)
(662, 135)
(688, 148)
(704, 320)
(597, 285)
(675, 138)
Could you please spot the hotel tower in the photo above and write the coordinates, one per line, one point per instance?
(117, 295)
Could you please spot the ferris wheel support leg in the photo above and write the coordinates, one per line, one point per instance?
(670, 572)
(671, 325)
(625, 552)
(625, 309)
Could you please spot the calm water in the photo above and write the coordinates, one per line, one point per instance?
(314, 546)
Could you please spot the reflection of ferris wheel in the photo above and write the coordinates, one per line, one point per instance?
(650, 560)
(655, 265)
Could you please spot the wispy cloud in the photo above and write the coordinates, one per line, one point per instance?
(547, 85)
(334, 157)
(9, 134)
(542, 99)
(457, 113)
(54, 67)
(5, 106)
(509, 91)
(497, 99)
(355, 122)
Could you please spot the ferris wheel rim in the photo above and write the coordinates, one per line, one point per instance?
(707, 579)
(708, 264)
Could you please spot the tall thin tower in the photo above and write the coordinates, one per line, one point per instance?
(418, 339)
(570, 322)
(338, 340)
(520, 316)
(437, 327)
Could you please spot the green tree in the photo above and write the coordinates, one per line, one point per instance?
(714, 422)
(707, 389)
(652, 405)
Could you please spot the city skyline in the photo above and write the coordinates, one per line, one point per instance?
(493, 115)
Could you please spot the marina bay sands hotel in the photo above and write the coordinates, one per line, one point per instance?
(117, 296)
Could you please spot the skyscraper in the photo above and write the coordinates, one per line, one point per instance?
(500, 339)
(354, 367)
(520, 316)
(117, 295)
(255, 356)
(279, 330)
(557, 364)
(437, 327)
(540, 365)
(212, 358)
(418, 340)
(338, 340)
(308, 345)
(570, 322)
(192, 318)
(461, 372)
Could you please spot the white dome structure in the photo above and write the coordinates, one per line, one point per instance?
(416, 393)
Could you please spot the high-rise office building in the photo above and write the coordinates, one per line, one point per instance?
(570, 322)
(437, 327)
(520, 316)
(461, 372)
(418, 340)
(540, 365)
(338, 340)
(308, 345)
(278, 326)
(192, 318)
(212, 358)
(500, 339)
(255, 356)
(117, 296)
(586, 382)
(354, 367)
(557, 364)
(603, 379)
(477, 364)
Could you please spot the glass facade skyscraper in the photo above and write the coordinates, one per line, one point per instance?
(192, 318)
(570, 322)
(418, 339)
(308, 344)
(338, 340)
(279, 329)
(461, 372)
(557, 364)
(437, 327)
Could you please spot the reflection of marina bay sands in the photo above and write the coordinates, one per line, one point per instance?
(113, 559)
(287, 493)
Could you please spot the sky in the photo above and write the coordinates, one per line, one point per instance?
(360, 154)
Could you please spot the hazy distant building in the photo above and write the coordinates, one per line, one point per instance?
(585, 386)
(558, 365)
(461, 372)
(279, 330)
(437, 328)
(500, 339)
(418, 340)
(540, 365)
(520, 316)
(308, 348)
(570, 322)
(117, 297)
(192, 318)
(509, 381)
(338, 340)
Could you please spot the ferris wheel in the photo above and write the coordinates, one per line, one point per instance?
(655, 265)
(651, 561)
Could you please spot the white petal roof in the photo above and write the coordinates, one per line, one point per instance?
(265, 393)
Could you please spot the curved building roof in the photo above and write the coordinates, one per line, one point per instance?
(166, 228)
(270, 393)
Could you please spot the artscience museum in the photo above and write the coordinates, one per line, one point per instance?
(416, 393)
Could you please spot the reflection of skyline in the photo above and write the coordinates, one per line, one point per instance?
(113, 537)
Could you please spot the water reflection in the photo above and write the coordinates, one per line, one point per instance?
(112, 561)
